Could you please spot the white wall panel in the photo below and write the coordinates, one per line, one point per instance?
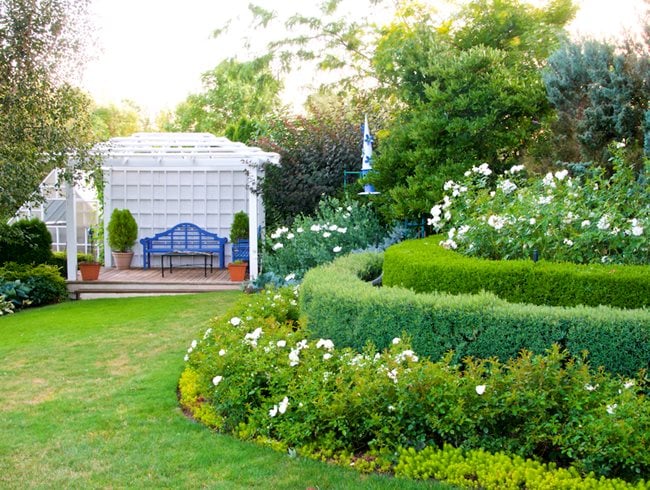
(168, 178)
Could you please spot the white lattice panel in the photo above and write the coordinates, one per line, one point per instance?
(169, 178)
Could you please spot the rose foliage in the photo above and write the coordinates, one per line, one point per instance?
(582, 216)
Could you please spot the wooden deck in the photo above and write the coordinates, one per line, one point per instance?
(139, 282)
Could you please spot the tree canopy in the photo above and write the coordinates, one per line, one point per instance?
(601, 94)
(471, 90)
(232, 90)
(112, 120)
(44, 120)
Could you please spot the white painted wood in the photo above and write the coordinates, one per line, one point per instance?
(71, 231)
(169, 178)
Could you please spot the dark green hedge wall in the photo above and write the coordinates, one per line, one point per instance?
(340, 306)
(424, 266)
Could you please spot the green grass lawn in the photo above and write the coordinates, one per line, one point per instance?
(88, 400)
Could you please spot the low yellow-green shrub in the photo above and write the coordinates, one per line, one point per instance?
(499, 471)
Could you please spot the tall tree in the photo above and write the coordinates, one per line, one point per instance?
(330, 39)
(112, 120)
(44, 120)
(601, 94)
(232, 90)
(471, 91)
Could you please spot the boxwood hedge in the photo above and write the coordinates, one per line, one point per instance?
(425, 266)
(339, 305)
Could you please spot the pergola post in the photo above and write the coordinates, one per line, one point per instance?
(255, 210)
(71, 229)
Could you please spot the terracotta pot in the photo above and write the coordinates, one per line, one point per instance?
(237, 271)
(89, 270)
(122, 260)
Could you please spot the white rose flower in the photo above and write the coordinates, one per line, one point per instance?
(282, 407)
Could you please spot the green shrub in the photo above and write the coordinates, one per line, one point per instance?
(259, 374)
(239, 228)
(27, 241)
(60, 261)
(425, 266)
(46, 286)
(122, 230)
(13, 295)
(340, 306)
(499, 471)
(337, 228)
(10, 239)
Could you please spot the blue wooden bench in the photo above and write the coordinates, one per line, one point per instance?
(183, 239)
(240, 250)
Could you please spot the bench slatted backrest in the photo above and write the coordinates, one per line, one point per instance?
(184, 237)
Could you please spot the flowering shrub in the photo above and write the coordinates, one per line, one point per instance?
(582, 219)
(337, 229)
(256, 373)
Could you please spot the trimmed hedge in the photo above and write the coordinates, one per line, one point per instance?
(424, 266)
(27, 241)
(340, 306)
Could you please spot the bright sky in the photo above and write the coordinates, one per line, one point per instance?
(153, 52)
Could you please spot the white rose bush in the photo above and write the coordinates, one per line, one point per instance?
(591, 217)
(338, 228)
(258, 374)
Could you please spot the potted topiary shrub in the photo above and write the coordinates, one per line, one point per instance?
(89, 266)
(122, 235)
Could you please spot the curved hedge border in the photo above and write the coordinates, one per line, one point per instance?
(425, 266)
(340, 306)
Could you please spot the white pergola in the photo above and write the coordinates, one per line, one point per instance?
(169, 178)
